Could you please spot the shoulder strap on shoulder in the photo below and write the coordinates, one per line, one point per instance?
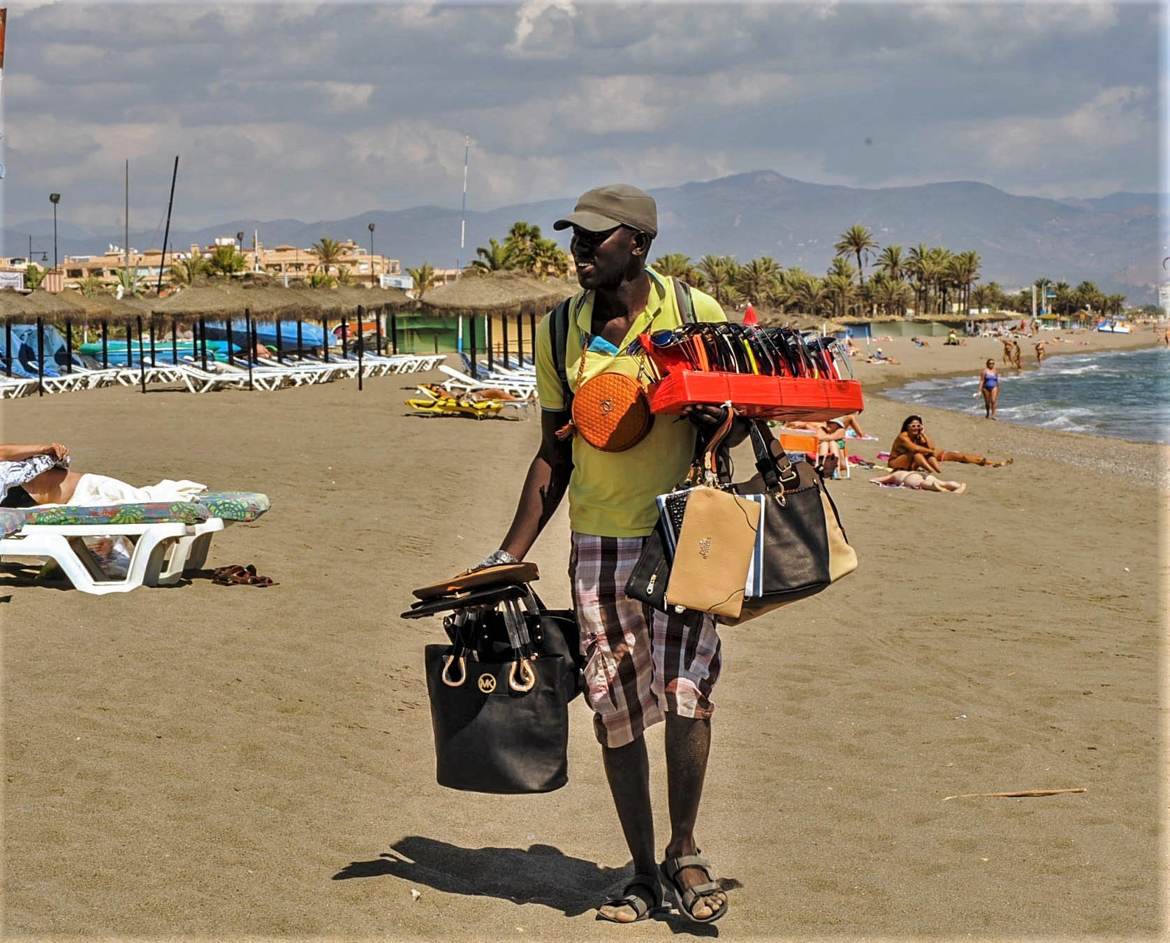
(559, 338)
(686, 304)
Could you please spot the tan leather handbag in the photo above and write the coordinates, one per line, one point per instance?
(714, 552)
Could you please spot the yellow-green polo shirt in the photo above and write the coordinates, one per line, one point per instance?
(611, 494)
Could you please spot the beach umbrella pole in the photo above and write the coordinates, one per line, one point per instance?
(8, 348)
(345, 335)
(361, 346)
(129, 347)
(250, 340)
(300, 339)
(174, 342)
(279, 345)
(488, 334)
(153, 351)
(504, 331)
(325, 338)
(471, 343)
(378, 330)
(203, 341)
(141, 355)
(393, 332)
(105, 345)
(231, 356)
(532, 333)
(40, 357)
(69, 345)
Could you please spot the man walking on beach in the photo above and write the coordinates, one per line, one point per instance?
(642, 666)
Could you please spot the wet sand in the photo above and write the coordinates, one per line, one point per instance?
(226, 763)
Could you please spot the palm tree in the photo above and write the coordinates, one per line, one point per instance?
(322, 280)
(892, 263)
(965, 272)
(493, 258)
(225, 260)
(889, 296)
(92, 285)
(759, 280)
(918, 265)
(859, 241)
(424, 277)
(328, 252)
(719, 273)
(129, 282)
(549, 259)
(343, 275)
(839, 283)
(812, 295)
(186, 271)
(33, 275)
(677, 265)
(521, 244)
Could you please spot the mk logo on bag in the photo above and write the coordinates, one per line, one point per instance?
(705, 547)
(486, 683)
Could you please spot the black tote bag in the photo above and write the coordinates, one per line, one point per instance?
(499, 696)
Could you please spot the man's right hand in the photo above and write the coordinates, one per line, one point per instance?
(495, 558)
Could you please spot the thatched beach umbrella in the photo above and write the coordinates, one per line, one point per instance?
(502, 294)
(40, 305)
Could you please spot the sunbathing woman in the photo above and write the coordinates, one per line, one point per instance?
(914, 450)
(989, 387)
(919, 482)
(52, 483)
(39, 474)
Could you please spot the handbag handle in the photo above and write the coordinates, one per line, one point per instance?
(776, 470)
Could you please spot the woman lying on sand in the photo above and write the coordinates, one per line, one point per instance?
(915, 450)
(919, 482)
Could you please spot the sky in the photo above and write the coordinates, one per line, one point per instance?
(324, 111)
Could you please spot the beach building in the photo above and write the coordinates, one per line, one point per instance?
(297, 262)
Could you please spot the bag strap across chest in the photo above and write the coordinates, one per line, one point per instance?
(559, 333)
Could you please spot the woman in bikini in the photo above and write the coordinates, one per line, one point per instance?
(914, 450)
(989, 387)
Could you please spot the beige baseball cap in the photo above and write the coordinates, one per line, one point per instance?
(616, 204)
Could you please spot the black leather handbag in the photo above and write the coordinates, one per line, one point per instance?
(499, 692)
(805, 548)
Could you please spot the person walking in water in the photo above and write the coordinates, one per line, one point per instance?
(989, 387)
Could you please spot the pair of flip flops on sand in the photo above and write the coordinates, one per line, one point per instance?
(236, 575)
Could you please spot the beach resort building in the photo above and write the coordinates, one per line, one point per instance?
(293, 261)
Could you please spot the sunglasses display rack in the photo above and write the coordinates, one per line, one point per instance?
(764, 373)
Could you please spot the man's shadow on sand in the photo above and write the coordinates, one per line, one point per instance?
(541, 874)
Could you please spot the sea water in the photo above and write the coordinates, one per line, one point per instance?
(1123, 394)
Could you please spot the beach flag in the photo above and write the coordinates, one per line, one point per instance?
(3, 20)
(749, 316)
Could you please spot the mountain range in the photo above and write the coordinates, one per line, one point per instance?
(1115, 241)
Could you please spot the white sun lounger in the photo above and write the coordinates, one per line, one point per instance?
(161, 551)
(462, 382)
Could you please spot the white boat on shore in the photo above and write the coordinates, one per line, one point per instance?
(1113, 327)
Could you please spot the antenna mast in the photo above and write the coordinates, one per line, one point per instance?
(463, 213)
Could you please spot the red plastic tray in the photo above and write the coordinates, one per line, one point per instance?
(761, 397)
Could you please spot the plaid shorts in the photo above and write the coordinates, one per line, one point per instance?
(639, 663)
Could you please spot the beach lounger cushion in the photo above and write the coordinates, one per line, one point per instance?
(183, 512)
(235, 505)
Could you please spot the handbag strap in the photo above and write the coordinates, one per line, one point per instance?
(775, 468)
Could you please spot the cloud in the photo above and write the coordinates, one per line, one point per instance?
(532, 14)
(327, 110)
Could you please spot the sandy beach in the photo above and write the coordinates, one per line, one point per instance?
(231, 762)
